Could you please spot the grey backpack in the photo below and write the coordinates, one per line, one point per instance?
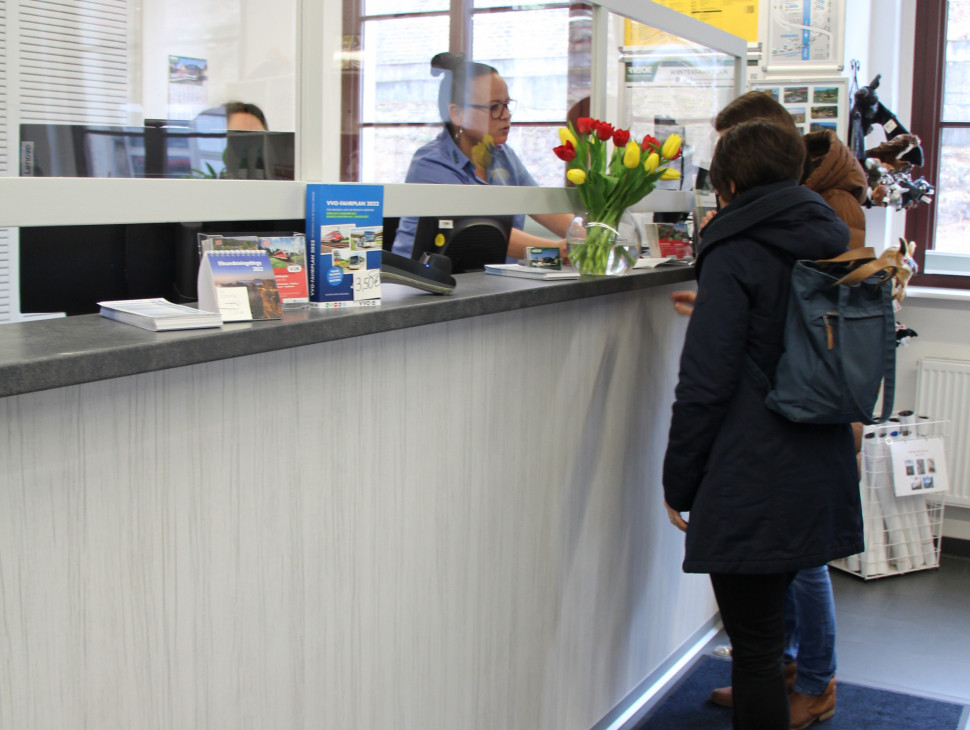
(840, 342)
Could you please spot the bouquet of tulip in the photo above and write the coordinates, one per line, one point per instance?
(609, 184)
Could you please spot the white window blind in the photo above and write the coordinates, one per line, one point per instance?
(73, 61)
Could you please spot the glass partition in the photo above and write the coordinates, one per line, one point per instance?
(149, 88)
(656, 82)
(669, 84)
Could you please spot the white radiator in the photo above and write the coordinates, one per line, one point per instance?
(943, 393)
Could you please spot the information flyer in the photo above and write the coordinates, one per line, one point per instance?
(345, 235)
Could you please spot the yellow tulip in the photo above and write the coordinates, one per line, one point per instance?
(671, 147)
(487, 140)
(631, 155)
(670, 174)
(576, 176)
(566, 136)
(650, 164)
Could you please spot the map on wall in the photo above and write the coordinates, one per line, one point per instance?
(804, 33)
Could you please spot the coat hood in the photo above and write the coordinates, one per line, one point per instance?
(785, 216)
(830, 165)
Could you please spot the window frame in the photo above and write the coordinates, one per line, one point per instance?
(929, 68)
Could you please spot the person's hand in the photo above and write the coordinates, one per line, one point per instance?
(684, 301)
(706, 219)
(675, 519)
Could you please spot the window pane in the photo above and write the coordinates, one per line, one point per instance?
(530, 48)
(952, 201)
(507, 4)
(385, 152)
(397, 85)
(393, 7)
(956, 85)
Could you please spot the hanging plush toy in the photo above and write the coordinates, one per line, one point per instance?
(867, 110)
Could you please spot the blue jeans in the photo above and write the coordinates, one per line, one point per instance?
(810, 629)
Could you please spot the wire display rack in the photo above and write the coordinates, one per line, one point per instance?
(902, 533)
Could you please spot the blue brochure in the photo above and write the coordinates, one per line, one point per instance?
(345, 233)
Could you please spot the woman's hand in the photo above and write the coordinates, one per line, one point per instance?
(675, 519)
(684, 301)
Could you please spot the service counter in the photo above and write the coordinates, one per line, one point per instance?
(443, 512)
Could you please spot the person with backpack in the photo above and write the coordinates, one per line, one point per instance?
(831, 170)
(767, 496)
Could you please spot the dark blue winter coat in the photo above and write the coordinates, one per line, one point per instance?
(765, 495)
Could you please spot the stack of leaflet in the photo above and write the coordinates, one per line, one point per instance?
(159, 314)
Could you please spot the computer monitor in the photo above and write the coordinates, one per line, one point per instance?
(469, 241)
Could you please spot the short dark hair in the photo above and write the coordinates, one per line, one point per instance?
(242, 107)
(756, 153)
(753, 105)
(454, 86)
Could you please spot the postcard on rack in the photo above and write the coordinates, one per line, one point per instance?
(345, 225)
(919, 466)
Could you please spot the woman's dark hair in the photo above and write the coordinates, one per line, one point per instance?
(753, 105)
(241, 107)
(756, 153)
(454, 86)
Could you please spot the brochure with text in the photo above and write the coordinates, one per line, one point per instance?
(345, 235)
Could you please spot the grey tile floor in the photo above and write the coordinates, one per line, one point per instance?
(909, 633)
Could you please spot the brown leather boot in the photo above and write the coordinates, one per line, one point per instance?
(808, 709)
(724, 696)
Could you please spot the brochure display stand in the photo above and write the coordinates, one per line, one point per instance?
(903, 482)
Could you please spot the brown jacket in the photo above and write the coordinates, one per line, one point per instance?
(833, 172)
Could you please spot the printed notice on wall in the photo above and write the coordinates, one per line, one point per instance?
(919, 466)
(804, 33)
(187, 87)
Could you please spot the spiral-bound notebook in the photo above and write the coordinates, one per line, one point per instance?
(239, 284)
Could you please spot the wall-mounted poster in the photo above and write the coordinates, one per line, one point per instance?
(803, 34)
(737, 17)
(813, 103)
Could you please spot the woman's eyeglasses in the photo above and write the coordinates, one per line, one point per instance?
(498, 108)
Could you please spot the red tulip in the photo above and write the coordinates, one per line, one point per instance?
(566, 152)
(604, 131)
(621, 137)
(651, 143)
(584, 125)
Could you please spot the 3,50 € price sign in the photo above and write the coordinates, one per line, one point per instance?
(367, 284)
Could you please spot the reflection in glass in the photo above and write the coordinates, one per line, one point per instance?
(159, 149)
(162, 64)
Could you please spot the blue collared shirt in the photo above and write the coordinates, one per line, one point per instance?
(441, 162)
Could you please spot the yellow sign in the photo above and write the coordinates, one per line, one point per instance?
(439, 240)
(737, 17)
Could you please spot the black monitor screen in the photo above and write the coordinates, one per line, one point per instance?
(470, 242)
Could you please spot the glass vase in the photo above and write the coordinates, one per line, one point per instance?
(598, 248)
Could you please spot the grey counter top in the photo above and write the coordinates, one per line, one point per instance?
(58, 352)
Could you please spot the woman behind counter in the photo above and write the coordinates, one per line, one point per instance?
(474, 103)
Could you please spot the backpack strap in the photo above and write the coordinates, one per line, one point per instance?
(860, 273)
(857, 255)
